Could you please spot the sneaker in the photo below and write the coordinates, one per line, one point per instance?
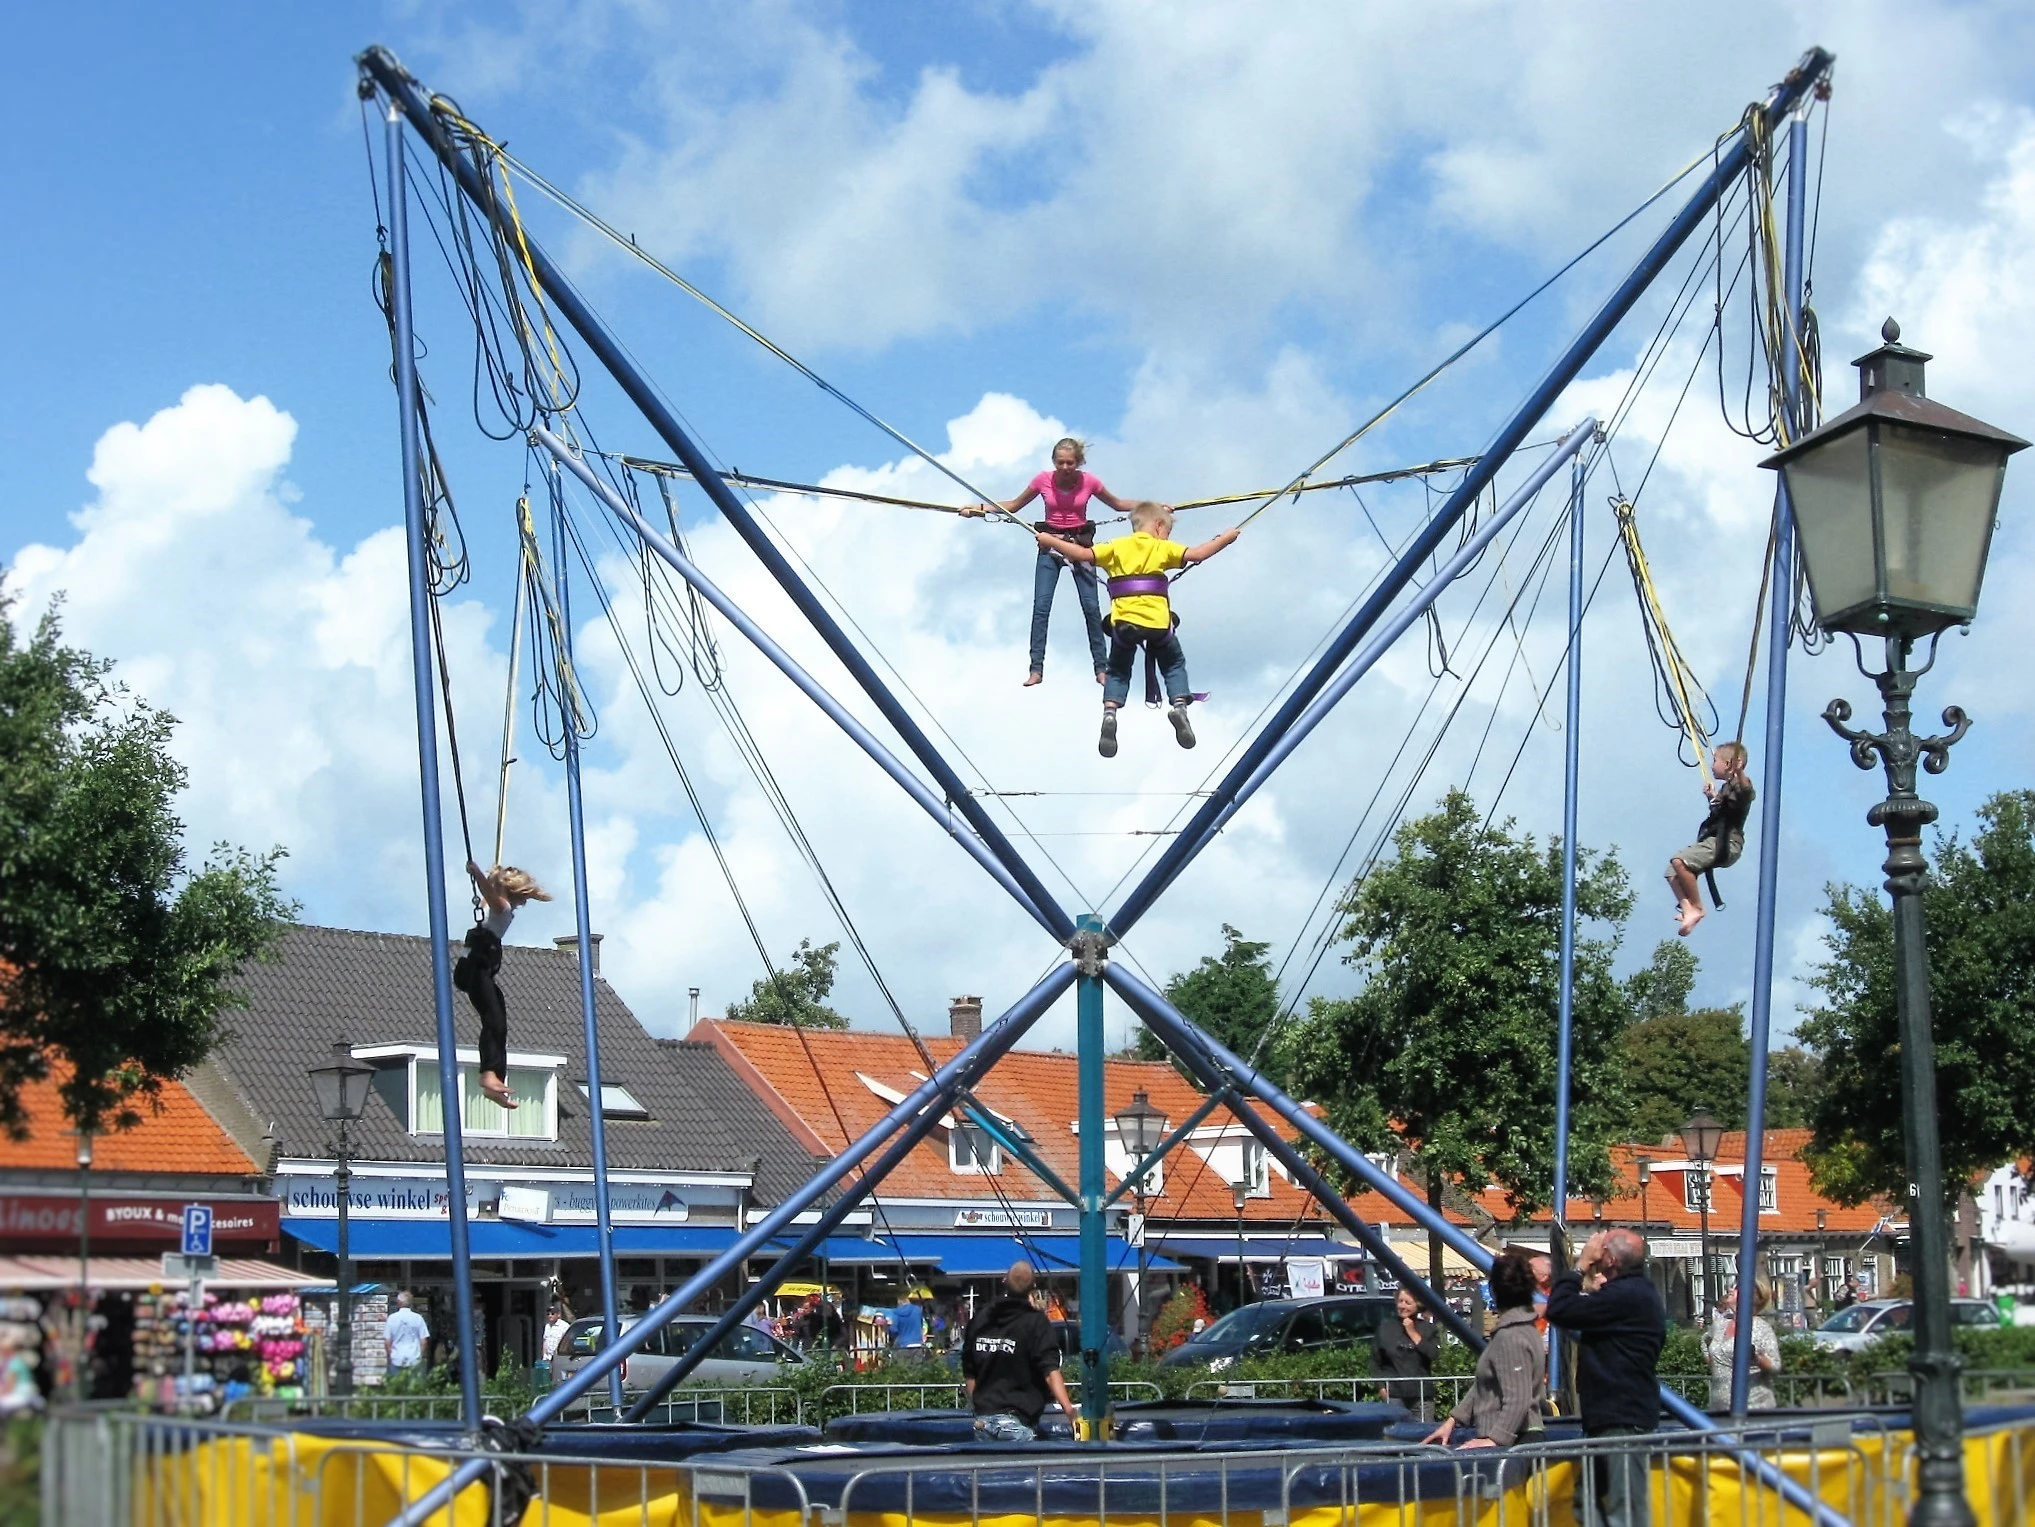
(1107, 745)
(1182, 727)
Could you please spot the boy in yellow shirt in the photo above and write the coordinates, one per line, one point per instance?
(1140, 614)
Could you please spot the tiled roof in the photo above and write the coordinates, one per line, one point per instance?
(327, 984)
(810, 1079)
(179, 1136)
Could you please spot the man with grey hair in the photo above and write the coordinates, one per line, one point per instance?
(407, 1334)
(1010, 1359)
(1621, 1324)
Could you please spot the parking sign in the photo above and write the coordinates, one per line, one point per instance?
(197, 1230)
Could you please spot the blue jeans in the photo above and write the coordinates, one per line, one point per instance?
(1003, 1426)
(1044, 577)
(1123, 657)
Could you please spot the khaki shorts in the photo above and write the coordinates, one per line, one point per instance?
(1701, 856)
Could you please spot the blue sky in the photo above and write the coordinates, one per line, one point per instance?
(1209, 243)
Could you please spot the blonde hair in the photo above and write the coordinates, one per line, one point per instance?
(1077, 447)
(1146, 511)
(1762, 1292)
(517, 885)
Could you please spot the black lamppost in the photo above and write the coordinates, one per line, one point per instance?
(1238, 1193)
(1645, 1167)
(1139, 1129)
(1700, 1138)
(342, 1089)
(82, 1379)
(1894, 501)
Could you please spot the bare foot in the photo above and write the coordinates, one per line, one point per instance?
(1691, 915)
(496, 1090)
(1033, 678)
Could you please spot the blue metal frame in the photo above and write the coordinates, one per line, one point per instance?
(1565, 1004)
(427, 767)
(401, 88)
(1090, 1049)
(1217, 1065)
(1780, 618)
(583, 922)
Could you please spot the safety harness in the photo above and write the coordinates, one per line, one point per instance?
(1147, 637)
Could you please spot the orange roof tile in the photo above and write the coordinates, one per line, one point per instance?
(179, 1136)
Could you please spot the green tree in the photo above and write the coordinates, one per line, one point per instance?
(116, 965)
(1676, 1063)
(1449, 1047)
(795, 996)
(1794, 1081)
(1661, 988)
(1980, 913)
(1233, 995)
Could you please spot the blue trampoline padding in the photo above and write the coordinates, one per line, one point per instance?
(929, 1428)
(632, 1444)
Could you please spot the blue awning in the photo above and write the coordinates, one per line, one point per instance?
(427, 1240)
(838, 1250)
(982, 1256)
(1259, 1248)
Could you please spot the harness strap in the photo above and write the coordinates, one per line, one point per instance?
(1710, 878)
(1139, 583)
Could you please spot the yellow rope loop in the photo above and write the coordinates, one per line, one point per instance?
(569, 697)
(1683, 686)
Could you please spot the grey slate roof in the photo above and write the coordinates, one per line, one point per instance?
(375, 988)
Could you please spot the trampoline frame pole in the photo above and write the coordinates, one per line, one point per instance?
(1565, 1017)
(1089, 964)
(450, 1092)
(583, 923)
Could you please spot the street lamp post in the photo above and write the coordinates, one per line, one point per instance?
(1139, 1129)
(1700, 1138)
(81, 1377)
(1645, 1167)
(342, 1087)
(1895, 500)
(1238, 1192)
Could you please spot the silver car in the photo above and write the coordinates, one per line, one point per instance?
(1859, 1325)
(744, 1358)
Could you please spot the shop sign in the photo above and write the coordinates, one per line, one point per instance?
(1304, 1277)
(37, 1217)
(643, 1203)
(1674, 1249)
(373, 1197)
(1003, 1219)
(564, 1203)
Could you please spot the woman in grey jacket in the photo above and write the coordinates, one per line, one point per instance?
(1504, 1402)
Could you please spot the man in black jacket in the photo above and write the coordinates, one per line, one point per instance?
(1621, 1324)
(1010, 1359)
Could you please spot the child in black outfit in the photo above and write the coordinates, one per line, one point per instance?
(1721, 838)
(504, 888)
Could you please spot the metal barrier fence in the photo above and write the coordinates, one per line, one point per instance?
(1897, 1386)
(1443, 1390)
(849, 1399)
(103, 1467)
(361, 1407)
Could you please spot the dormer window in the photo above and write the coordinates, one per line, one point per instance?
(970, 1148)
(533, 1078)
(616, 1102)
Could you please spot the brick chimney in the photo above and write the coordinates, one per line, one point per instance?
(964, 1017)
(570, 944)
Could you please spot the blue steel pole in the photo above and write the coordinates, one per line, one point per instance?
(450, 1090)
(401, 88)
(960, 1071)
(1565, 1019)
(583, 921)
(1780, 618)
(863, 738)
(1730, 163)
(1089, 950)
(1219, 1067)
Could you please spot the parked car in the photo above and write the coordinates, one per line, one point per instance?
(1861, 1324)
(1283, 1325)
(745, 1356)
(1069, 1332)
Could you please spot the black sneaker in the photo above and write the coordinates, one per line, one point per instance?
(1182, 727)
(1107, 745)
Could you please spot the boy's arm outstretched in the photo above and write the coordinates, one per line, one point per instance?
(1210, 547)
(1072, 551)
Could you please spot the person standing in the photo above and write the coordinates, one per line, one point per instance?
(1010, 1362)
(1620, 1324)
(405, 1333)
(1721, 1344)
(1505, 1402)
(1404, 1348)
(908, 1327)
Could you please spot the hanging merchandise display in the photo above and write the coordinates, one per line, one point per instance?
(236, 1346)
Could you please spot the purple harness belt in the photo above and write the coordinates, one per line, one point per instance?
(1139, 583)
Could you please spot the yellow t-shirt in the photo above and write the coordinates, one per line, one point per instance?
(1129, 556)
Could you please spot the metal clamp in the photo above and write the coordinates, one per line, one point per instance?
(1090, 948)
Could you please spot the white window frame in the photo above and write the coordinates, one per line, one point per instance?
(1698, 1183)
(1257, 1171)
(617, 1101)
(967, 1162)
(468, 1060)
(1769, 1190)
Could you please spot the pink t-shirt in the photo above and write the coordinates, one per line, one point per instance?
(1066, 510)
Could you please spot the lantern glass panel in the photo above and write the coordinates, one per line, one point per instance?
(1831, 494)
(1937, 494)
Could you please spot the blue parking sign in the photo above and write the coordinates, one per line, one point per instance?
(197, 1230)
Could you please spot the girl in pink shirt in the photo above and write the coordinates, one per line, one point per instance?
(1065, 490)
